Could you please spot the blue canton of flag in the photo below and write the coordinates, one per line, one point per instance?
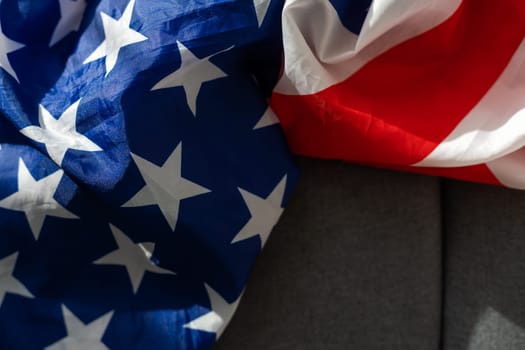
(141, 169)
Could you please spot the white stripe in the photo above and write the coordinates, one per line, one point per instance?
(510, 169)
(320, 52)
(493, 128)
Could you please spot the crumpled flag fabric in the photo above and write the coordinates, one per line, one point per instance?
(421, 85)
(141, 169)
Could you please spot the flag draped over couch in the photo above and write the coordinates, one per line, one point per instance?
(142, 170)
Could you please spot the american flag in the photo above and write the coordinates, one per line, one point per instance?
(421, 85)
(141, 168)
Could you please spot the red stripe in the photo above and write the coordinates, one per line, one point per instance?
(402, 104)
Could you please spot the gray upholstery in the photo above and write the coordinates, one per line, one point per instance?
(354, 263)
(373, 259)
(484, 306)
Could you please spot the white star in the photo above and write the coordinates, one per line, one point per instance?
(192, 73)
(7, 46)
(261, 7)
(117, 35)
(9, 284)
(267, 119)
(218, 318)
(81, 336)
(60, 134)
(71, 13)
(264, 212)
(165, 186)
(35, 198)
(135, 257)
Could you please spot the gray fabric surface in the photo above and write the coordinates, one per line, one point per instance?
(354, 263)
(372, 259)
(484, 289)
